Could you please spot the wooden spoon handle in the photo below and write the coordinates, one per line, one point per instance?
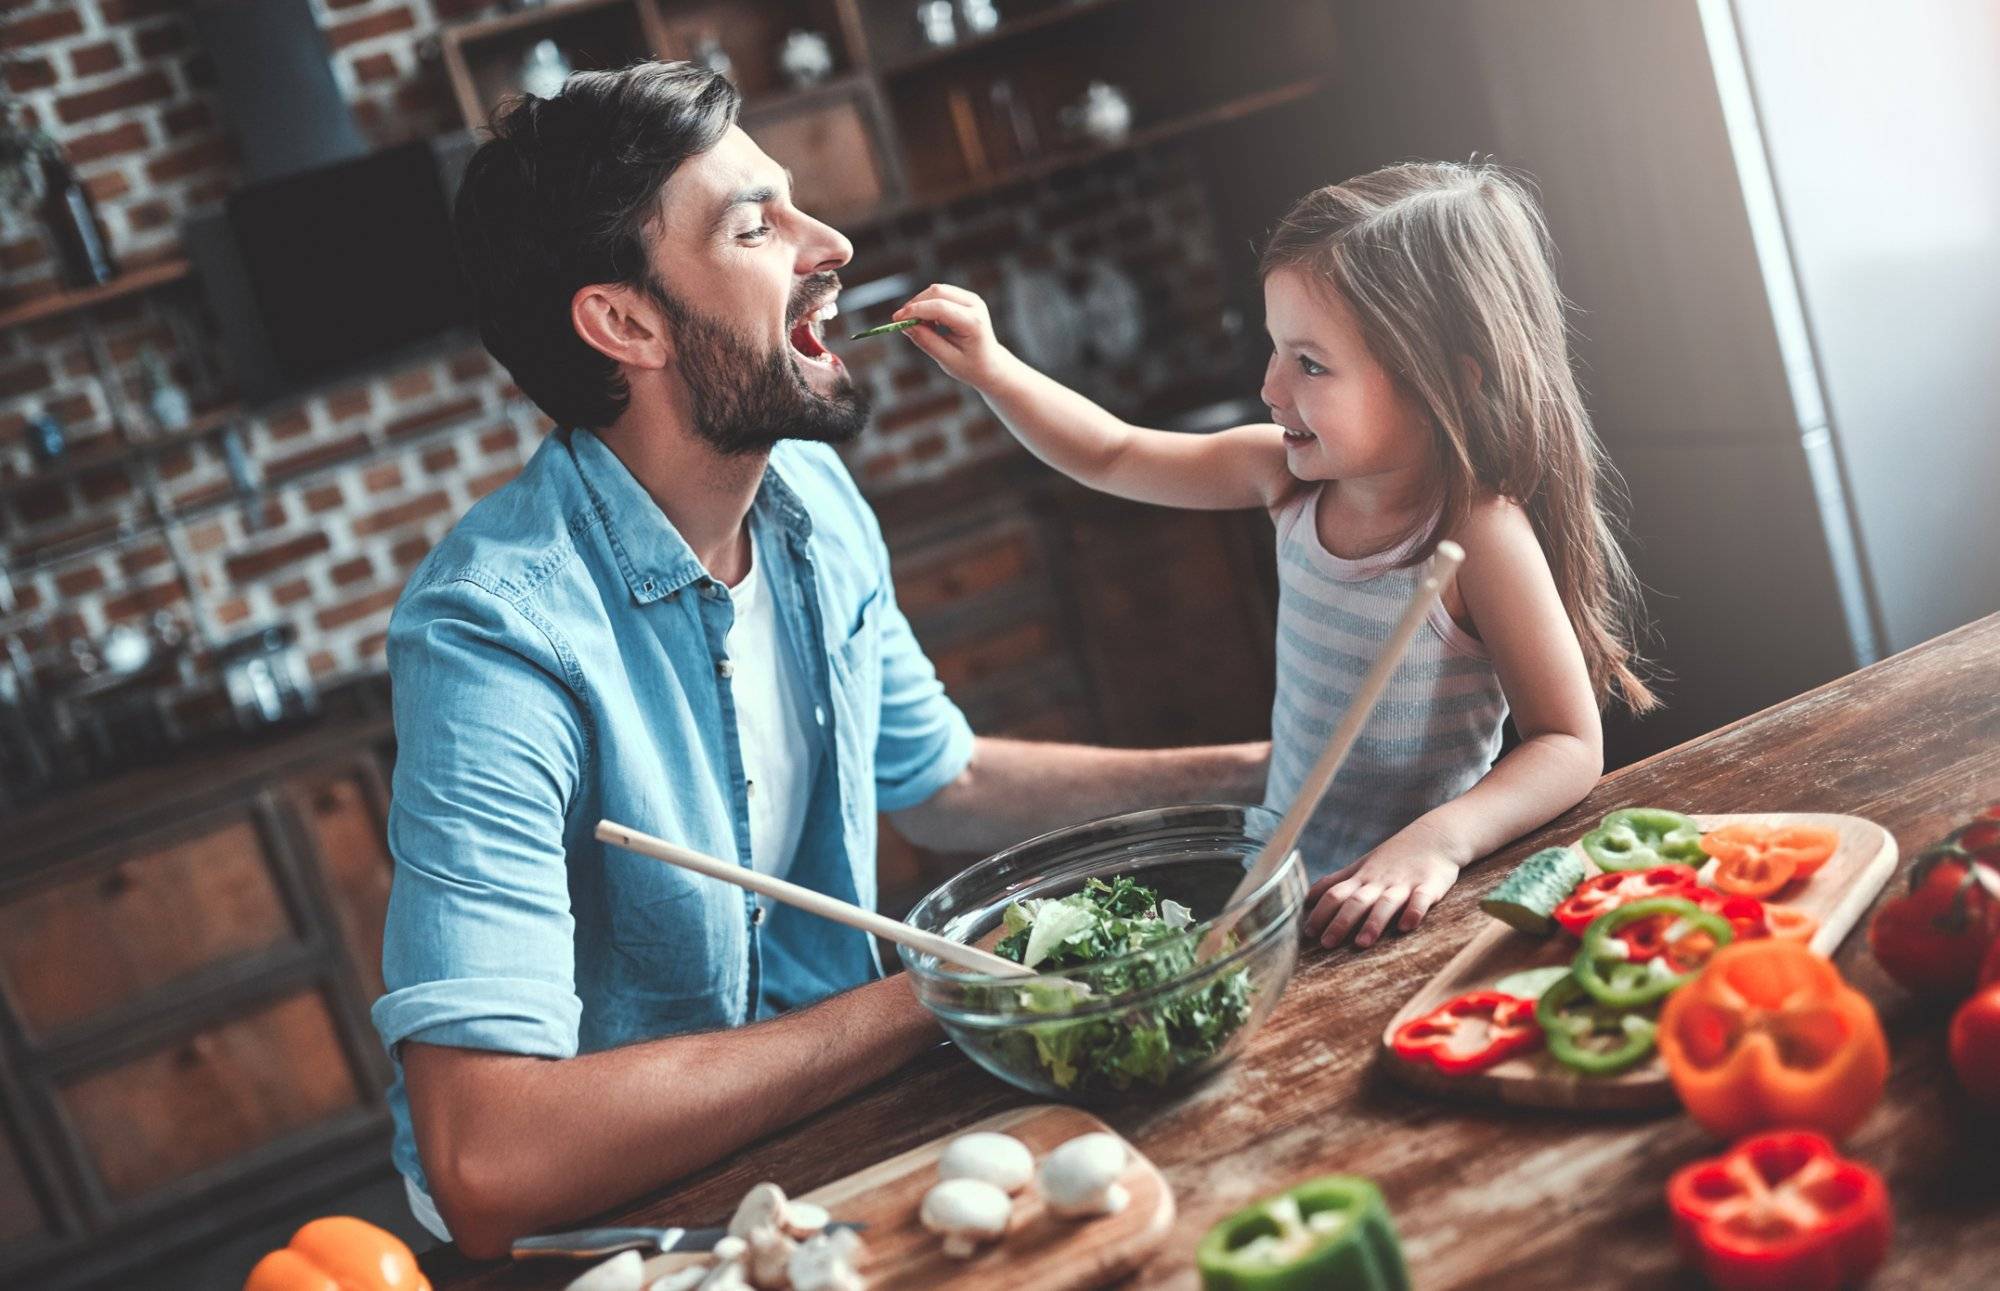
(819, 903)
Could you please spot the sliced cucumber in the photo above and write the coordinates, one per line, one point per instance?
(1529, 983)
(1527, 898)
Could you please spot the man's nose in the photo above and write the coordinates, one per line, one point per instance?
(822, 247)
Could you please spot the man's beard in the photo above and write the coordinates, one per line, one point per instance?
(746, 401)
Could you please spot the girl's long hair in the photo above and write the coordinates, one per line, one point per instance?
(1444, 262)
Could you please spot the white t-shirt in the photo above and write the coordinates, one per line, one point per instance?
(773, 724)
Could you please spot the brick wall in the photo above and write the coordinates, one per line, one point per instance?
(357, 482)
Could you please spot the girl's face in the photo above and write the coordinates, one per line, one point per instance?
(1345, 416)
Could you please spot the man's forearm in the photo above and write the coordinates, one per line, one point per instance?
(512, 1145)
(1015, 789)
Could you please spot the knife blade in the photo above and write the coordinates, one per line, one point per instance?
(590, 1243)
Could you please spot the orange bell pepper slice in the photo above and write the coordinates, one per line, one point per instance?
(1807, 847)
(339, 1253)
(1788, 923)
(1770, 1035)
(1753, 875)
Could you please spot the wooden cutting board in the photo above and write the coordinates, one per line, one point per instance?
(1837, 895)
(1042, 1251)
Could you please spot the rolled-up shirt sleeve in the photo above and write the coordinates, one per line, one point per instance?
(924, 740)
(478, 950)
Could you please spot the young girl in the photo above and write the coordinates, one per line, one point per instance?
(1420, 387)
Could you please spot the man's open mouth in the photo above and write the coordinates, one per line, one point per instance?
(809, 335)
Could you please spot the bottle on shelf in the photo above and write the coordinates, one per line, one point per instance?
(45, 434)
(171, 408)
(83, 253)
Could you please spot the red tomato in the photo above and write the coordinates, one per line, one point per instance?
(1933, 939)
(1975, 1046)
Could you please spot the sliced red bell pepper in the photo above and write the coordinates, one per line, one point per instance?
(1781, 1210)
(1470, 1033)
(1645, 938)
(1603, 893)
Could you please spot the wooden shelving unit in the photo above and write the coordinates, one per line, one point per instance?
(903, 127)
(162, 274)
(120, 448)
(1009, 30)
(1162, 132)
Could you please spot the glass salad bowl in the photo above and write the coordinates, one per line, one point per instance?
(1111, 914)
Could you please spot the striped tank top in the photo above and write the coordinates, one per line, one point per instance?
(1436, 730)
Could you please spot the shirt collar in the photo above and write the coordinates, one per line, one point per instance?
(655, 560)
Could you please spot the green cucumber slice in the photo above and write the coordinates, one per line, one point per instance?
(1527, 898)
(1529, 983)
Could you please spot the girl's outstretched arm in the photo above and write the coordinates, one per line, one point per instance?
(1510, 596)
(1226, 470)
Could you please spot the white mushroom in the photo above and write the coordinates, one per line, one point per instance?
(826, 1263)
(770, 1255)
(803, 1219)
(999, 1159)
(763, 1207)
(966, 1212)
(622, 1272)
(1080, 1178)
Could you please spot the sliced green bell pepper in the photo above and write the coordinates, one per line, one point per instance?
(1589, 1037)
(1604, 967)
(1640, 838)
(1327, 1234)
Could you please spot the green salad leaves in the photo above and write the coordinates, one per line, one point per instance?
(1151, 941)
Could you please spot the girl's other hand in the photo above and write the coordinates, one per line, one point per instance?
(959, 334)
(1407, 873)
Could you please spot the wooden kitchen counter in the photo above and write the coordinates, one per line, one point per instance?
(1495, 1197)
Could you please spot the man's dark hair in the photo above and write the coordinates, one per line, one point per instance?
(562, 196)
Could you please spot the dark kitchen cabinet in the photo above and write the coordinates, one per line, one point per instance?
(186, 963)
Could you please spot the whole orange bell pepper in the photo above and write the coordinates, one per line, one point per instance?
(1770, 1036)
(339, 1253)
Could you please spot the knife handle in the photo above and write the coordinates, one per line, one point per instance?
(588, 1243)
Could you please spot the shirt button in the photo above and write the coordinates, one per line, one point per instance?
(725, 668)
(757, 915)
(819, 715)
(749, 788)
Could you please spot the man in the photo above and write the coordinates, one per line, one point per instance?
(679, 616)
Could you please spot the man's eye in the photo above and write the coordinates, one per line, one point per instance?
(753, 234)
(1309, 367)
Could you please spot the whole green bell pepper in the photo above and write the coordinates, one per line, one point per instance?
(1641, 838)
(1327, 1234)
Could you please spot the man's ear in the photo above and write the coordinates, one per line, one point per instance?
(623, 324)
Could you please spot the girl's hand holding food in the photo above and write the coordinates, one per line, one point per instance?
(960, 335)
(1408, 873)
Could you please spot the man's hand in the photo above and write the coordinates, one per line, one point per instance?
(1407, 873)
(959, 334)
(513, 1145)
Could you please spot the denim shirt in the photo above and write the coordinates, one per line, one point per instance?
(559, 659)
